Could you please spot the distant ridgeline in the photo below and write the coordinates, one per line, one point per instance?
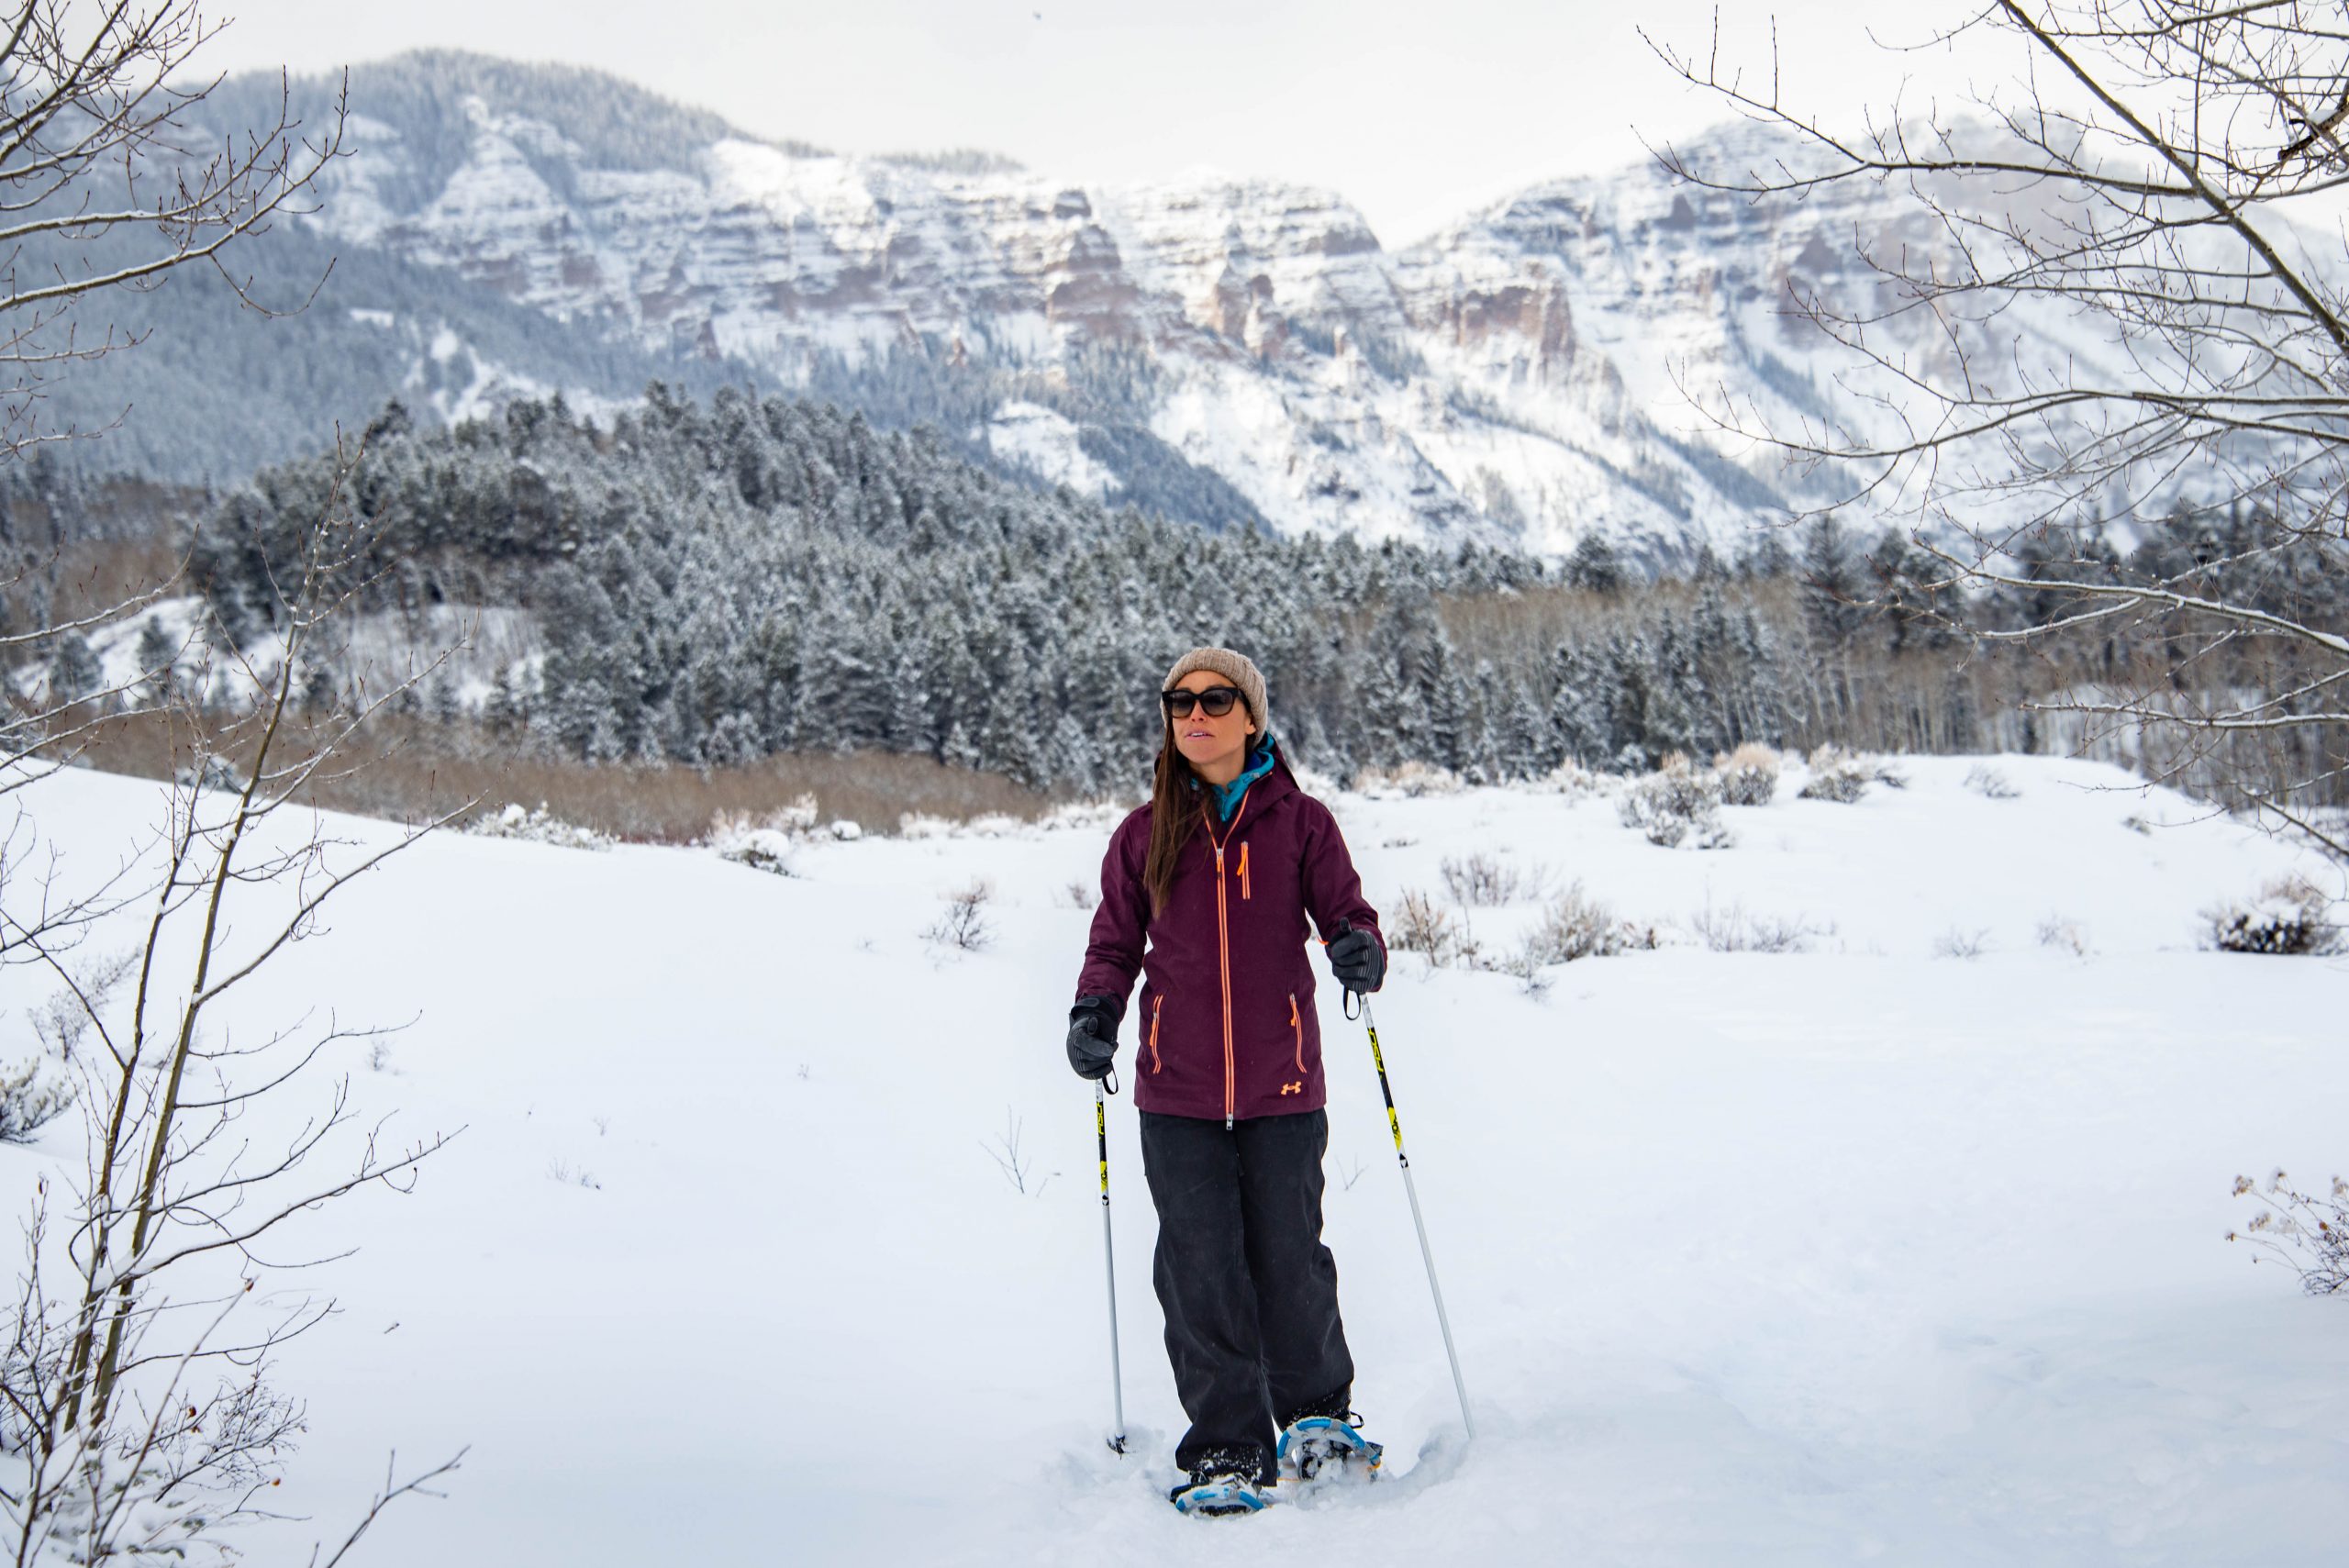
(212, 392)
(711, 583)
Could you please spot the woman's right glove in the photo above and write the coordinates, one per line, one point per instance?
(1357, 960)
(1092, 1035)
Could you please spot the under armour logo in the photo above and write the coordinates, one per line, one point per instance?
(1296, 1088)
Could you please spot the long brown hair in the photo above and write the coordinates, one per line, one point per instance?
(1174, 815)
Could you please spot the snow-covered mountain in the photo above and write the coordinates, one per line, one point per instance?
(1486, 384)
(1209, 346)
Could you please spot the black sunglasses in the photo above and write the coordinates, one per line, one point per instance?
(1217, 700)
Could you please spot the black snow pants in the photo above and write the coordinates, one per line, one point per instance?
(1250, 1291)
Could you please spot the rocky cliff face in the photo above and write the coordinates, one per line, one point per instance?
(1519, 380)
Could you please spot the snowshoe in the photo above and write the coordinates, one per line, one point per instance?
(1317, 1448)
(1212, 1492)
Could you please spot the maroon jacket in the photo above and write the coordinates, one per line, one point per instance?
(1227, 1025)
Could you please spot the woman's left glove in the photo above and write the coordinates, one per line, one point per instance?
(1357, 960)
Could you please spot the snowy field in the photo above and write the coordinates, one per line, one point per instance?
(1867, 1253)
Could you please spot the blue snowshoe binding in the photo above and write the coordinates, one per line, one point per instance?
(1214, 1491)
(1317, 1448)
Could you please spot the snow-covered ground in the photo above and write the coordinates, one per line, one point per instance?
(1863, 1254)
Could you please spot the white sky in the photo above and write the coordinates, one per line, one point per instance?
(1416, 114)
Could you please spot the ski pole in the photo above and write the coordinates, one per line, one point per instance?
(1395, 1125)
(1108, 1258)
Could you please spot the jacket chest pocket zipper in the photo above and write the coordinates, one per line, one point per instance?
(1298, 1023)
(1155, 1003)
(1244, 868)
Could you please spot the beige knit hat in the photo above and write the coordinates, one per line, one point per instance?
(1234, 667)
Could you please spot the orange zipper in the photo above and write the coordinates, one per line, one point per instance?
(1223, 950)
(1155, 1003)
(1298, 1023)
(1244, 868)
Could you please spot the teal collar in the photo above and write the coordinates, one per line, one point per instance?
(1259, 763)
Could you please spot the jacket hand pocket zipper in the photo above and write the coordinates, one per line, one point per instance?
(1298, 1023)
(1155, 1003)
(1244, 868)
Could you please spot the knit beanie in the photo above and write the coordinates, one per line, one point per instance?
(1234, 667)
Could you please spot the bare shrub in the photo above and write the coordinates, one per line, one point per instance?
(1659, 826)
(1574, 781)
(1749, 775)
(1081, 895)
(1676, 803)
(1990, 784)
(1018, 1165)
(1309, 779)
(1957, 943)
(761, 849)
(1524, 963)
(563, 1174)
(1577, 926)
(2290, 916)
(767, 840)
(31, 1096)
(1091, 817)
(1733, 930)
(1837, 775)
(2308, 1235)
(1422, 925)
(795, 819)
(2069, 936)
(44, 1085)
(1481, 880)
(964, 923)
(1686, 788)
(1409, 780)
(539, 827)
(985, 825)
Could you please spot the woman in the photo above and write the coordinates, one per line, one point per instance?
(1220, 872)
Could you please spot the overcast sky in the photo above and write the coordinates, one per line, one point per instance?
(1416, 114)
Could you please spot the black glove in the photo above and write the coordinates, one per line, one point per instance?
(1092, 1035)
(1357, 960)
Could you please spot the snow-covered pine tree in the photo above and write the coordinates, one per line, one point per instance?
(1594, 565)
(1578, 713)
(75, 673)
(158, 655)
